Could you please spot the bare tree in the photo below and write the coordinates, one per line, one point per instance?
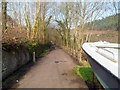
(74, 15)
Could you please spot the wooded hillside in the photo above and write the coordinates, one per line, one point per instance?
(107, 23)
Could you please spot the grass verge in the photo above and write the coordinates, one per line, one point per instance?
(85, 72)
(44, 53)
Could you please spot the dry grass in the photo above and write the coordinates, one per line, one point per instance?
(106, 35)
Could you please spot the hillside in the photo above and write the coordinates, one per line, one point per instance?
(108, 23)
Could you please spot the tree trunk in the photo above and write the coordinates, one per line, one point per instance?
(4, 15)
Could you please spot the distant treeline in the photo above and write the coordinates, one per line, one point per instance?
(108, 23)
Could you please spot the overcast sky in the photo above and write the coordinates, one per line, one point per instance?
(52, 6)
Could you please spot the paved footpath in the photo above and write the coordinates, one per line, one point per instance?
(55, 70)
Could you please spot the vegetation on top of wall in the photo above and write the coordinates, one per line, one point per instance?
(40, 49)
(33, 47)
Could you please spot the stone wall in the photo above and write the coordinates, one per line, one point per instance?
(14, 59)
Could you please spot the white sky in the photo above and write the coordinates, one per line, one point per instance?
(107, 13)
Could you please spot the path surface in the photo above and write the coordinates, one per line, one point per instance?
(56, 70)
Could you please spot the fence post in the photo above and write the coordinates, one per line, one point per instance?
(99, 85)
(33, 56)
(92, 79)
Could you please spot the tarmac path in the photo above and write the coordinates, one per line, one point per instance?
(55, 70)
